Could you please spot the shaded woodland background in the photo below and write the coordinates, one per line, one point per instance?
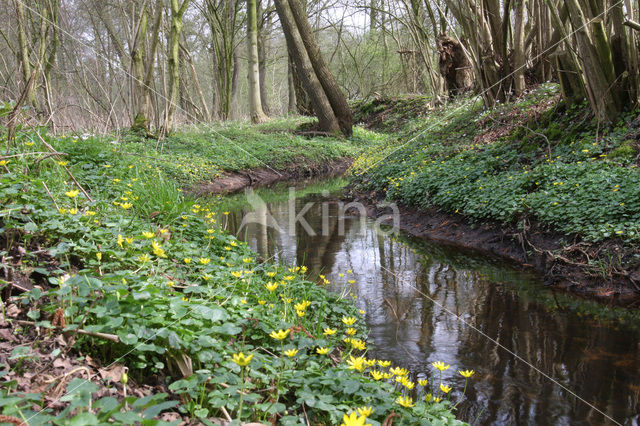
(94, 65)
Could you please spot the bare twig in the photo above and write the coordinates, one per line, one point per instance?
(50, 196)
(105, 336)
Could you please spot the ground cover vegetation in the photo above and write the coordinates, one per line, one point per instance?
(124, 299)
(533, 160)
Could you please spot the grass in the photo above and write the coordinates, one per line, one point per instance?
(150, 265)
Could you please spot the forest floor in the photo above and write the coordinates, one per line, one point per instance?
(534, 181)
(125, 300)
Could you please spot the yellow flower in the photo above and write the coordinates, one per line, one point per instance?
(280, 334)
(348, 320)
(354, 420)
(247, 260)
(204, 260)
(377, 375)
(437, 399)
(370, 362)
(322, 351)
(144, 258)
(120, 240)
(157, 250)
(300, 313)
(236, 274)
(329, 331)
(358, 344)
(399, 371)
(466, 373)
(440, 365)
(241, 359)
(148, 234)
(423, 382)
(350, 331)
(428, 397)
(409, 384)
(99, 256)
(405, 401)
(365, 411)
(356, 363)
(444, 388)
(187, 260)
(4, 162)
(289, 277)
(382, 363)
(261, 302)
(291, 352)
(126, 206)
(302, 305)
(73, 211)
(271, 286)
(72, 194)
(63, 163)
(129, 240)
(271, 274)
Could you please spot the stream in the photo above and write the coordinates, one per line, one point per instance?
(426, 302)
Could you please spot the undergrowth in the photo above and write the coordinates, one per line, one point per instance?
(534, 159)
(155, 284)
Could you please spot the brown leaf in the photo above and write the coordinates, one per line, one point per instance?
(6, 334)
(113, 373)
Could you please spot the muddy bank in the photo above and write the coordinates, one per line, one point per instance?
(563, 261)
(231, 182)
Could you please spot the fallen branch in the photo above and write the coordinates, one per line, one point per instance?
(105, 336)
(632, 24)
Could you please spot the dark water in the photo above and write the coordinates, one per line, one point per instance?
(426, 302)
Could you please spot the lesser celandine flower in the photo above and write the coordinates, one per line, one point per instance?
(187, 260)
(440, 365)
(398, 371)
(4, 162)
(241, 359)
(271, 274)
(300, 313)
(350, 331)
(354, 420)
(280, 334)
(405, 401)
(72, 194)
(329, 331)
(365, 411)
(377, 375)
(382, 363)
(444, 388)
(322, 351)
(120, 240)
(271, 286)
(358, 344)
(148, 234)
(423, 382)
(356, 363)
(126, 206)
(291, 352)
(348, 320)
(204, 260)
(466, 373)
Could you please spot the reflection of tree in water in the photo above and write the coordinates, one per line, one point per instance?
(318, 252)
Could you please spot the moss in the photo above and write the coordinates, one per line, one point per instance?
(628, 150)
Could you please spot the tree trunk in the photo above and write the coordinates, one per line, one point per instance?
(327, 120)
(177, 12)
(330, 86)
(23, 55)
(255, 103)
(518, 49)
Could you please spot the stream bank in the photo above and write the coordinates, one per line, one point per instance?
(535, 250)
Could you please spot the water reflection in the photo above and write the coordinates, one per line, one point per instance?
(410, 289)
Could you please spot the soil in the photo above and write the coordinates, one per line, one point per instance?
(562, 260)
(231, 182)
